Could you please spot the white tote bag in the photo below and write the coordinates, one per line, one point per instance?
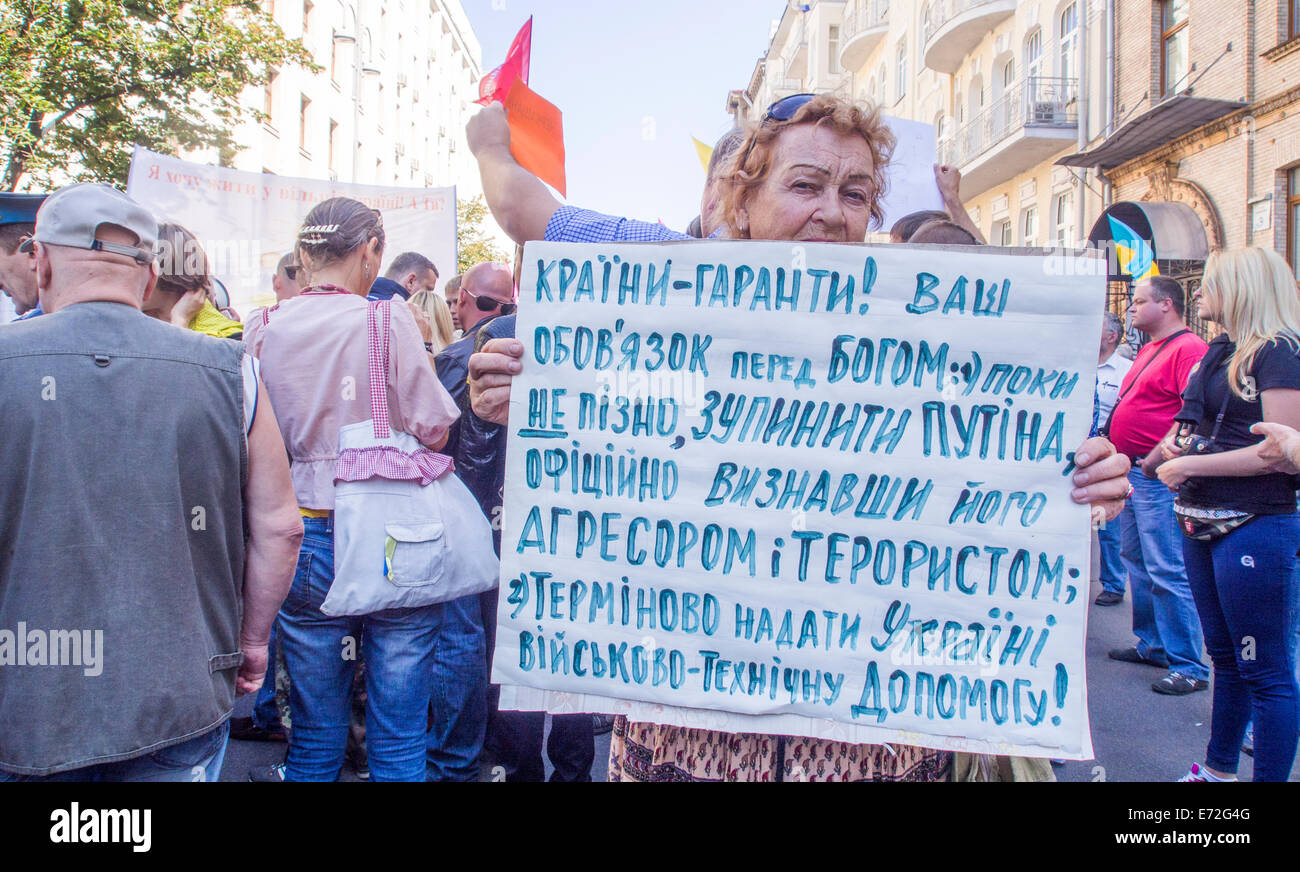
(407, 532)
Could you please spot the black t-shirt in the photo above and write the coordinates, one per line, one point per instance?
(1276, 365)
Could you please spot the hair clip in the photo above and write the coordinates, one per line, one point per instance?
(314, 229)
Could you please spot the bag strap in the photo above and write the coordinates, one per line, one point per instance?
(378, 316)
(1131, 385)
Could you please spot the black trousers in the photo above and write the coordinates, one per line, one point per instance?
(514, 739)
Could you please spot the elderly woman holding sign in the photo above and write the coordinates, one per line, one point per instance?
(813, 170)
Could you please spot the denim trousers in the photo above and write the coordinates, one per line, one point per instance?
(197, 759)
(320, 652)
(1111, 574)
(458, 714)
(1243, 588)
(1151, 547)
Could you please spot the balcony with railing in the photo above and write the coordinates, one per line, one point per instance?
(954, 27)
(794, 55)
(1030, 122)
(864, 27)
(777, 83)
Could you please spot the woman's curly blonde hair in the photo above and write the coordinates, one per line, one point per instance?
(752, 163)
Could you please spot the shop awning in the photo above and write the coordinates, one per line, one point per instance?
(1138, 235)
(1152, 129)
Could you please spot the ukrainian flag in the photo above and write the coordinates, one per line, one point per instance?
(1136, 256)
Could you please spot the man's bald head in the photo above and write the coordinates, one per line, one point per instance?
(494, 284)
(68, 275)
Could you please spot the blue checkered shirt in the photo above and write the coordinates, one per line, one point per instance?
(571, 224)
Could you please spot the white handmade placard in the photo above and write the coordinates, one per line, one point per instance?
(811, 489)
(247, 221)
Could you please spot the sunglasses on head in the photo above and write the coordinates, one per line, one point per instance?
(487, 304)
(782, 110)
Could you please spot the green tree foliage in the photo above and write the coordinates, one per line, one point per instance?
(475, 245)
(81, 81)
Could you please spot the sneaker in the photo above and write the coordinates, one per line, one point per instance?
(1108, 598)
(1131, 655)
(1248, 746)
(1177, 684)
(1197, 774)
(246, 730)
(273, 772)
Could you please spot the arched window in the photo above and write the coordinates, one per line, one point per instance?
(1034, 54)
(1069, 41)
(873, 91)
(1009, 73)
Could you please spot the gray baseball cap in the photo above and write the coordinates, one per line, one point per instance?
(70, 216)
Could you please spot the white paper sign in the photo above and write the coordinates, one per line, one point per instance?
(807, 489)
(912, 187)
(247, 221)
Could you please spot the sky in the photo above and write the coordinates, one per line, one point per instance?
(635, 81)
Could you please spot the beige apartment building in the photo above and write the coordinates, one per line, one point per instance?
(1078, 121)
(1009, 87)
(388, 107)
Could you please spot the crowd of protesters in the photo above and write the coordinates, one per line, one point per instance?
(199, 534)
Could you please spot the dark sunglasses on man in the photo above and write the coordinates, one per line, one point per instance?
(487, 304)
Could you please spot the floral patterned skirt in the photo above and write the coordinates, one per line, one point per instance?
(657, 752)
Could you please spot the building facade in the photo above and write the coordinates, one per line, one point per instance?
(1009, 87)
(389, 105)
(1209, 97)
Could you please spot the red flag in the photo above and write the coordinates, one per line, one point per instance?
(496, 84)
(536, 135)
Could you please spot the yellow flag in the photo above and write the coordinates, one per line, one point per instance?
(705, 152)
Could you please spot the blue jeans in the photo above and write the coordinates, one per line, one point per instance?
(1164, 613)
(265, 714)
(197, 759)
(1243, 587)
(320, 652)
(1112, 567)
(459, 713)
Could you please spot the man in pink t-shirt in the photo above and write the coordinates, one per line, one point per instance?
(1165, 620)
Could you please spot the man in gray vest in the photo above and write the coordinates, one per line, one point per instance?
(148, 528)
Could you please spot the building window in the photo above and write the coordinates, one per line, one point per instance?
(306, 18)
(1064, 218)
(304, 107)
(1009, 74)
(1034, 54)
(900, 84)
(1029, 226)
(1173, 45)
(1293, 19)
(873, 91)
(1002, 234)
(1293, 221)
(334, 136)
(833, 50)
(334, 61)
(1069, 24)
